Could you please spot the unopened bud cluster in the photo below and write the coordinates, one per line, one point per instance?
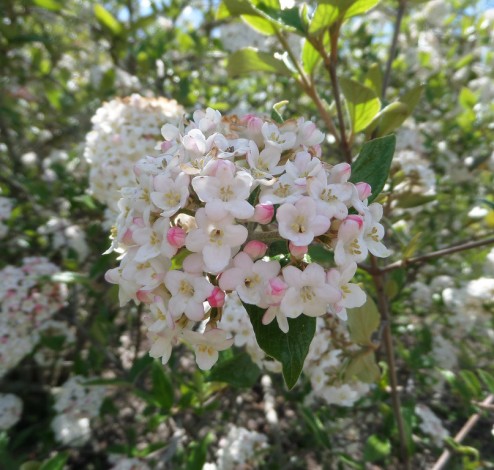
(207, 217)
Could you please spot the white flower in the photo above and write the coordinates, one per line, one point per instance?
(307, 292)
(225, 193)
(10, 410)
(304, 169)
(331, 199)
(300, 222)
(170, 195)
(350, 245)
(277, 139)
(374, 231)
(207, 345)
(188, 294)
(215, 240)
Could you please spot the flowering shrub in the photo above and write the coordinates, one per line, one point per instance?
(232, 205)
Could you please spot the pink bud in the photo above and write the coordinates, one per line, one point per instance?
(298, 251)
(263, 213)
(217, 298)
(166, 145)
(144, 296)
(364, 190)
(219, 166)
(256, 249)
(341, 172)
(176, 237)
(277, 287)
(355, 218)
(127, 237)
(253, 122)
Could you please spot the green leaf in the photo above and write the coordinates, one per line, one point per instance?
(55, 463)
(239, 371)
(276, 111)
(376, 448)
(310, 57)
(363, 321)
(291, 348)
(374, 79)
(412, 97)
(139, 366)
(259, 24)
(358, 7)
(409, 199)
(316, 426)
(373, 163)
(51, 5)
(488, 380)
(362, 367)
(107, 20)
(363, 103)
(197, 453)
(248, 60)
(291, 19)
(472, 382)
(467, 98)
(162, 386)
(324, 17)
(390, 118)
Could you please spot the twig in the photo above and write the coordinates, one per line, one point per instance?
(435, 254)
(469, 425)
(392, 48)
(382, 301)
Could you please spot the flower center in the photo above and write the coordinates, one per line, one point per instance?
(186, 288)
(307, 294)
(226, 193)
(298, 224)
(172, 198)
(216, 236)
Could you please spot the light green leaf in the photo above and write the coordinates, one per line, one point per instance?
(324, 17)
(239, 371)
(358, 7)
(107, 20)
(276, 111)
(51, 5)
(389, 119)
(412, 97)
(374, 79)
(467, 98)
(376, 448)
(363, 367)
(373, 163)
(291, 348)
(362, 102)
(310, 57)
(362, 322)
(412, 246)
(246, 61)
(259, 24)
(406, 200)
(55, 463)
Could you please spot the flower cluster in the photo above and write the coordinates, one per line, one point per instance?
(76, 403)
(232, 205)
(26, 303)
(10, 410)
(124, 130)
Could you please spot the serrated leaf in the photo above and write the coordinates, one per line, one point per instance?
(291, 348)
(162, 386)
(363, 321)
(239, 371)
(373, 163)
(376, 448)
(363, 367)
(259, 24)
(374, 79)
(107, 20)
(248, 60)
(362, 102)
(55, 463)
(51, 5)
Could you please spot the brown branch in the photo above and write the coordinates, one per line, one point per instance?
(383, 305)
(435, 254)
(469, 425)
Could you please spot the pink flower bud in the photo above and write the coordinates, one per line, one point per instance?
(166, 145)
(263, 213)
(256, 249)
(217, 298)
(219, 166)
(356, 219)
(364, 190)
(341, 172)
(297, 251)
(144, 296)
(254, 123)
(127, 237)
(176, 237)
(277, 288)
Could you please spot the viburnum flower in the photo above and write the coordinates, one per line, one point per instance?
(228, 202)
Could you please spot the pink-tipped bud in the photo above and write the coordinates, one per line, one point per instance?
(276, 289)
(176, 237)
(364, 190)
(341, 172)
(217, 298)
(217, 167)
(253, 122)
(145, 296)
(127, 237)
(166, 145)
(263, 213)
(297, 251)
(356, 219)
(256, 249)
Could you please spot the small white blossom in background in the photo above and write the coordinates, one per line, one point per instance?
(66, 236)
(26, 303)
(6, 205)
(125, 463)
(431, 425)
(200, 219)
(10, 410)
(239, 448)
(76, 403)
(124, 130)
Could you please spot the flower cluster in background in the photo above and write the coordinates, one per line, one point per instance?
(76, 403)
(26, 303)
(124, 130)
(10, 410)
(205, 213)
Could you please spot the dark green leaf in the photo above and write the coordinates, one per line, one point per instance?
(197, 453)
(162, 386)
(373, 163)
(107, 20)
(488, 380)
(139, 366)
(276, 111)
(362, 102)
(316, 426)
(291, 348)
(246, 61)
(239, 371)
(363, 321)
